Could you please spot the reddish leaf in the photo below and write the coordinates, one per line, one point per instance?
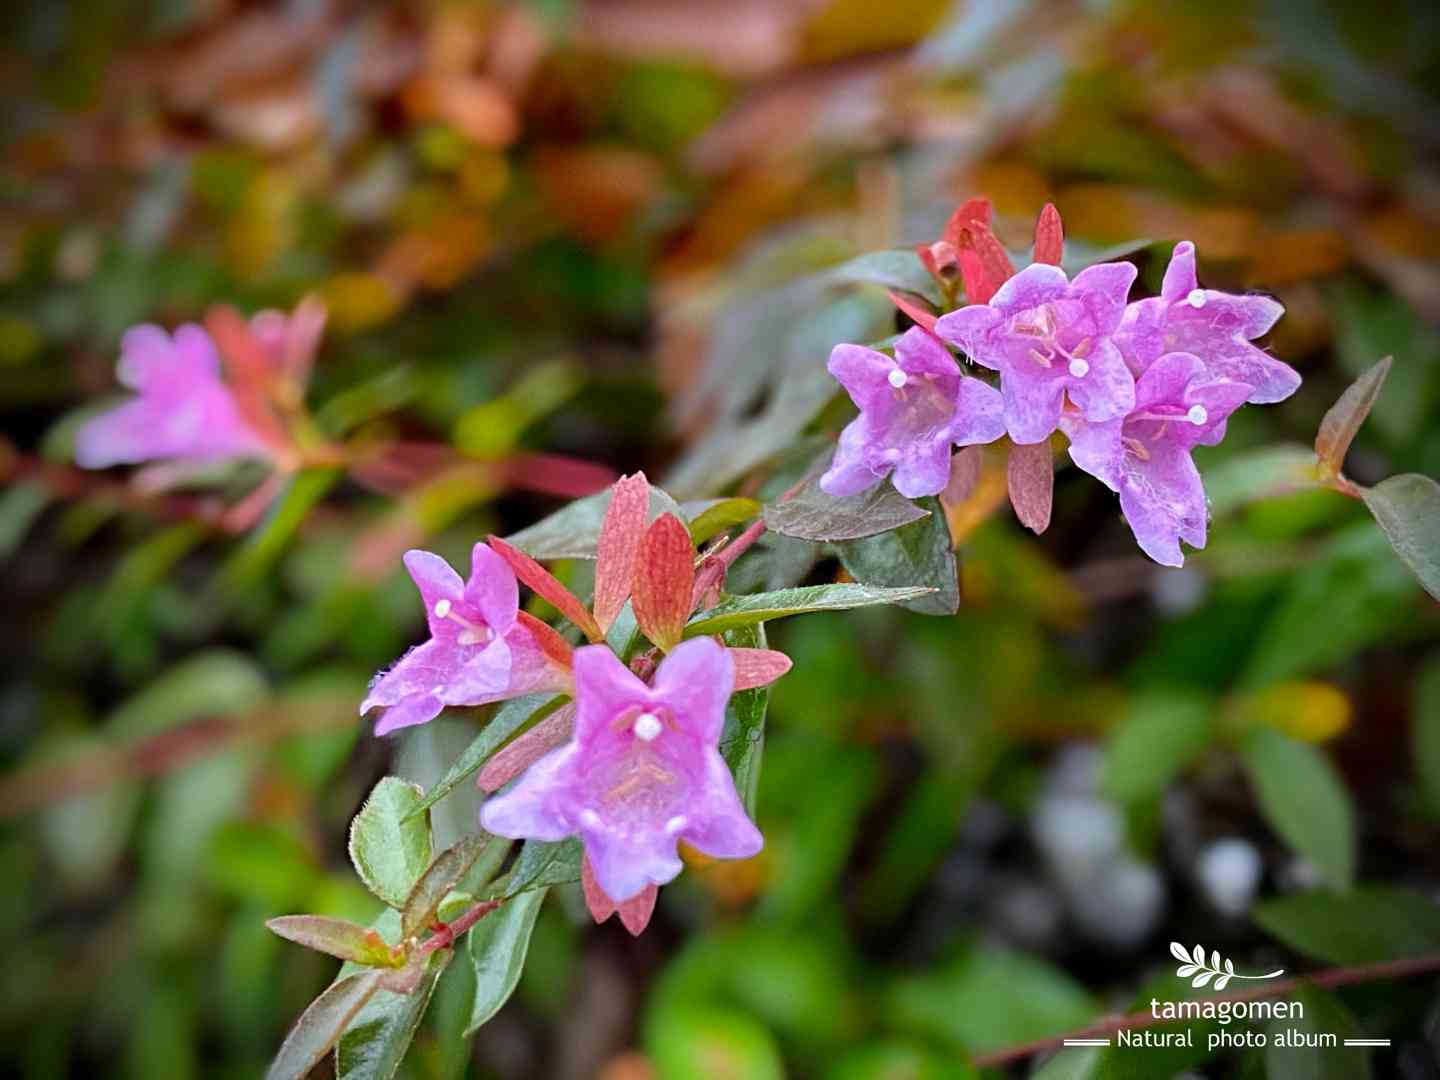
(336, 937)
(964, 475)
(663, 581)
(970, 212)
(758, 667)
(248, 371)
(618, 549)
(984, 263)
(556, 474)
(634, 913)
(1032, 484)
(306, 328)
(555, 730)
(548, 586)
(556, 649)
(1049, 236)
(918, 315)
(1338, 428)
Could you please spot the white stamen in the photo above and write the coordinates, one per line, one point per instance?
(897, 378)
(1197, 415)
(676, 823)
(442, 608)
(647, 726)
(1079, 368)
(1196, 298)
(589, 819)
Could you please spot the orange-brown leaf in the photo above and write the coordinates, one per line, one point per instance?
(663, 581)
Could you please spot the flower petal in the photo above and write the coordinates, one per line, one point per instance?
(603, 687)
(718, 824)
(420, 709)
(481, 677)
(492, 589)
(696, 681)
(536, 807)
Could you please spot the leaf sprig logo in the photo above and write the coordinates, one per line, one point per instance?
(1192, 963)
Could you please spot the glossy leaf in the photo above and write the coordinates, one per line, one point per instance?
(811, 514)
(897, 269)
(742, 739)
(720, 516)
(389, 841)
(919, 554)
(498, 945)
(761, 607)
(542, 863)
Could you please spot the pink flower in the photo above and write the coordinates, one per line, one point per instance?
(1049, 336)
(641, 772)
(1146, 455)
(912, 410)
(182, 410)
(1215, 326)
(479, 650)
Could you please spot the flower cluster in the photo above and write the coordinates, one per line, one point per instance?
(632, 767)
(1134, 385)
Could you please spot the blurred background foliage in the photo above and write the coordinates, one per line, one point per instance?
(608, 230)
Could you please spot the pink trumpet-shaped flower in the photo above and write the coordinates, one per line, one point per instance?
(641, 773)
(1146, 456)
(912, 410)
(1215, 326)
(477, 652)
(1049, 336)
(182, 410)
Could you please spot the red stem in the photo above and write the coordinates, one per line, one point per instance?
(446, 933)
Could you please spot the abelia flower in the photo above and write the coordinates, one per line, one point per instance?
(477, 652)
(1146, 455)
(182, 409)
(1049, 337)
(1215, 326)
(912, 410)
(641, 772)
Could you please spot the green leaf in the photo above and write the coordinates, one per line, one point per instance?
(321, 1025)
(1261, 473)
(720, 516)
(335, 937)
(1322, 1015)
(1407, 509)
(918, 554)
(508, 719)
(444, 874)
(213, 683)
(761, 607)
(1425, 733)
(389, 843)
(893, 1060)
(1156, 738)
(1304, 800)
(810, 514)
(990, 998)
(572, 533)
(542, 864)
(1371, 924)
(701, 1040)
(377, 1038)
(742, 740)
(900, 268)
(1075, 1063)
(1350, 596)
(286, 515)
(498, 945)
